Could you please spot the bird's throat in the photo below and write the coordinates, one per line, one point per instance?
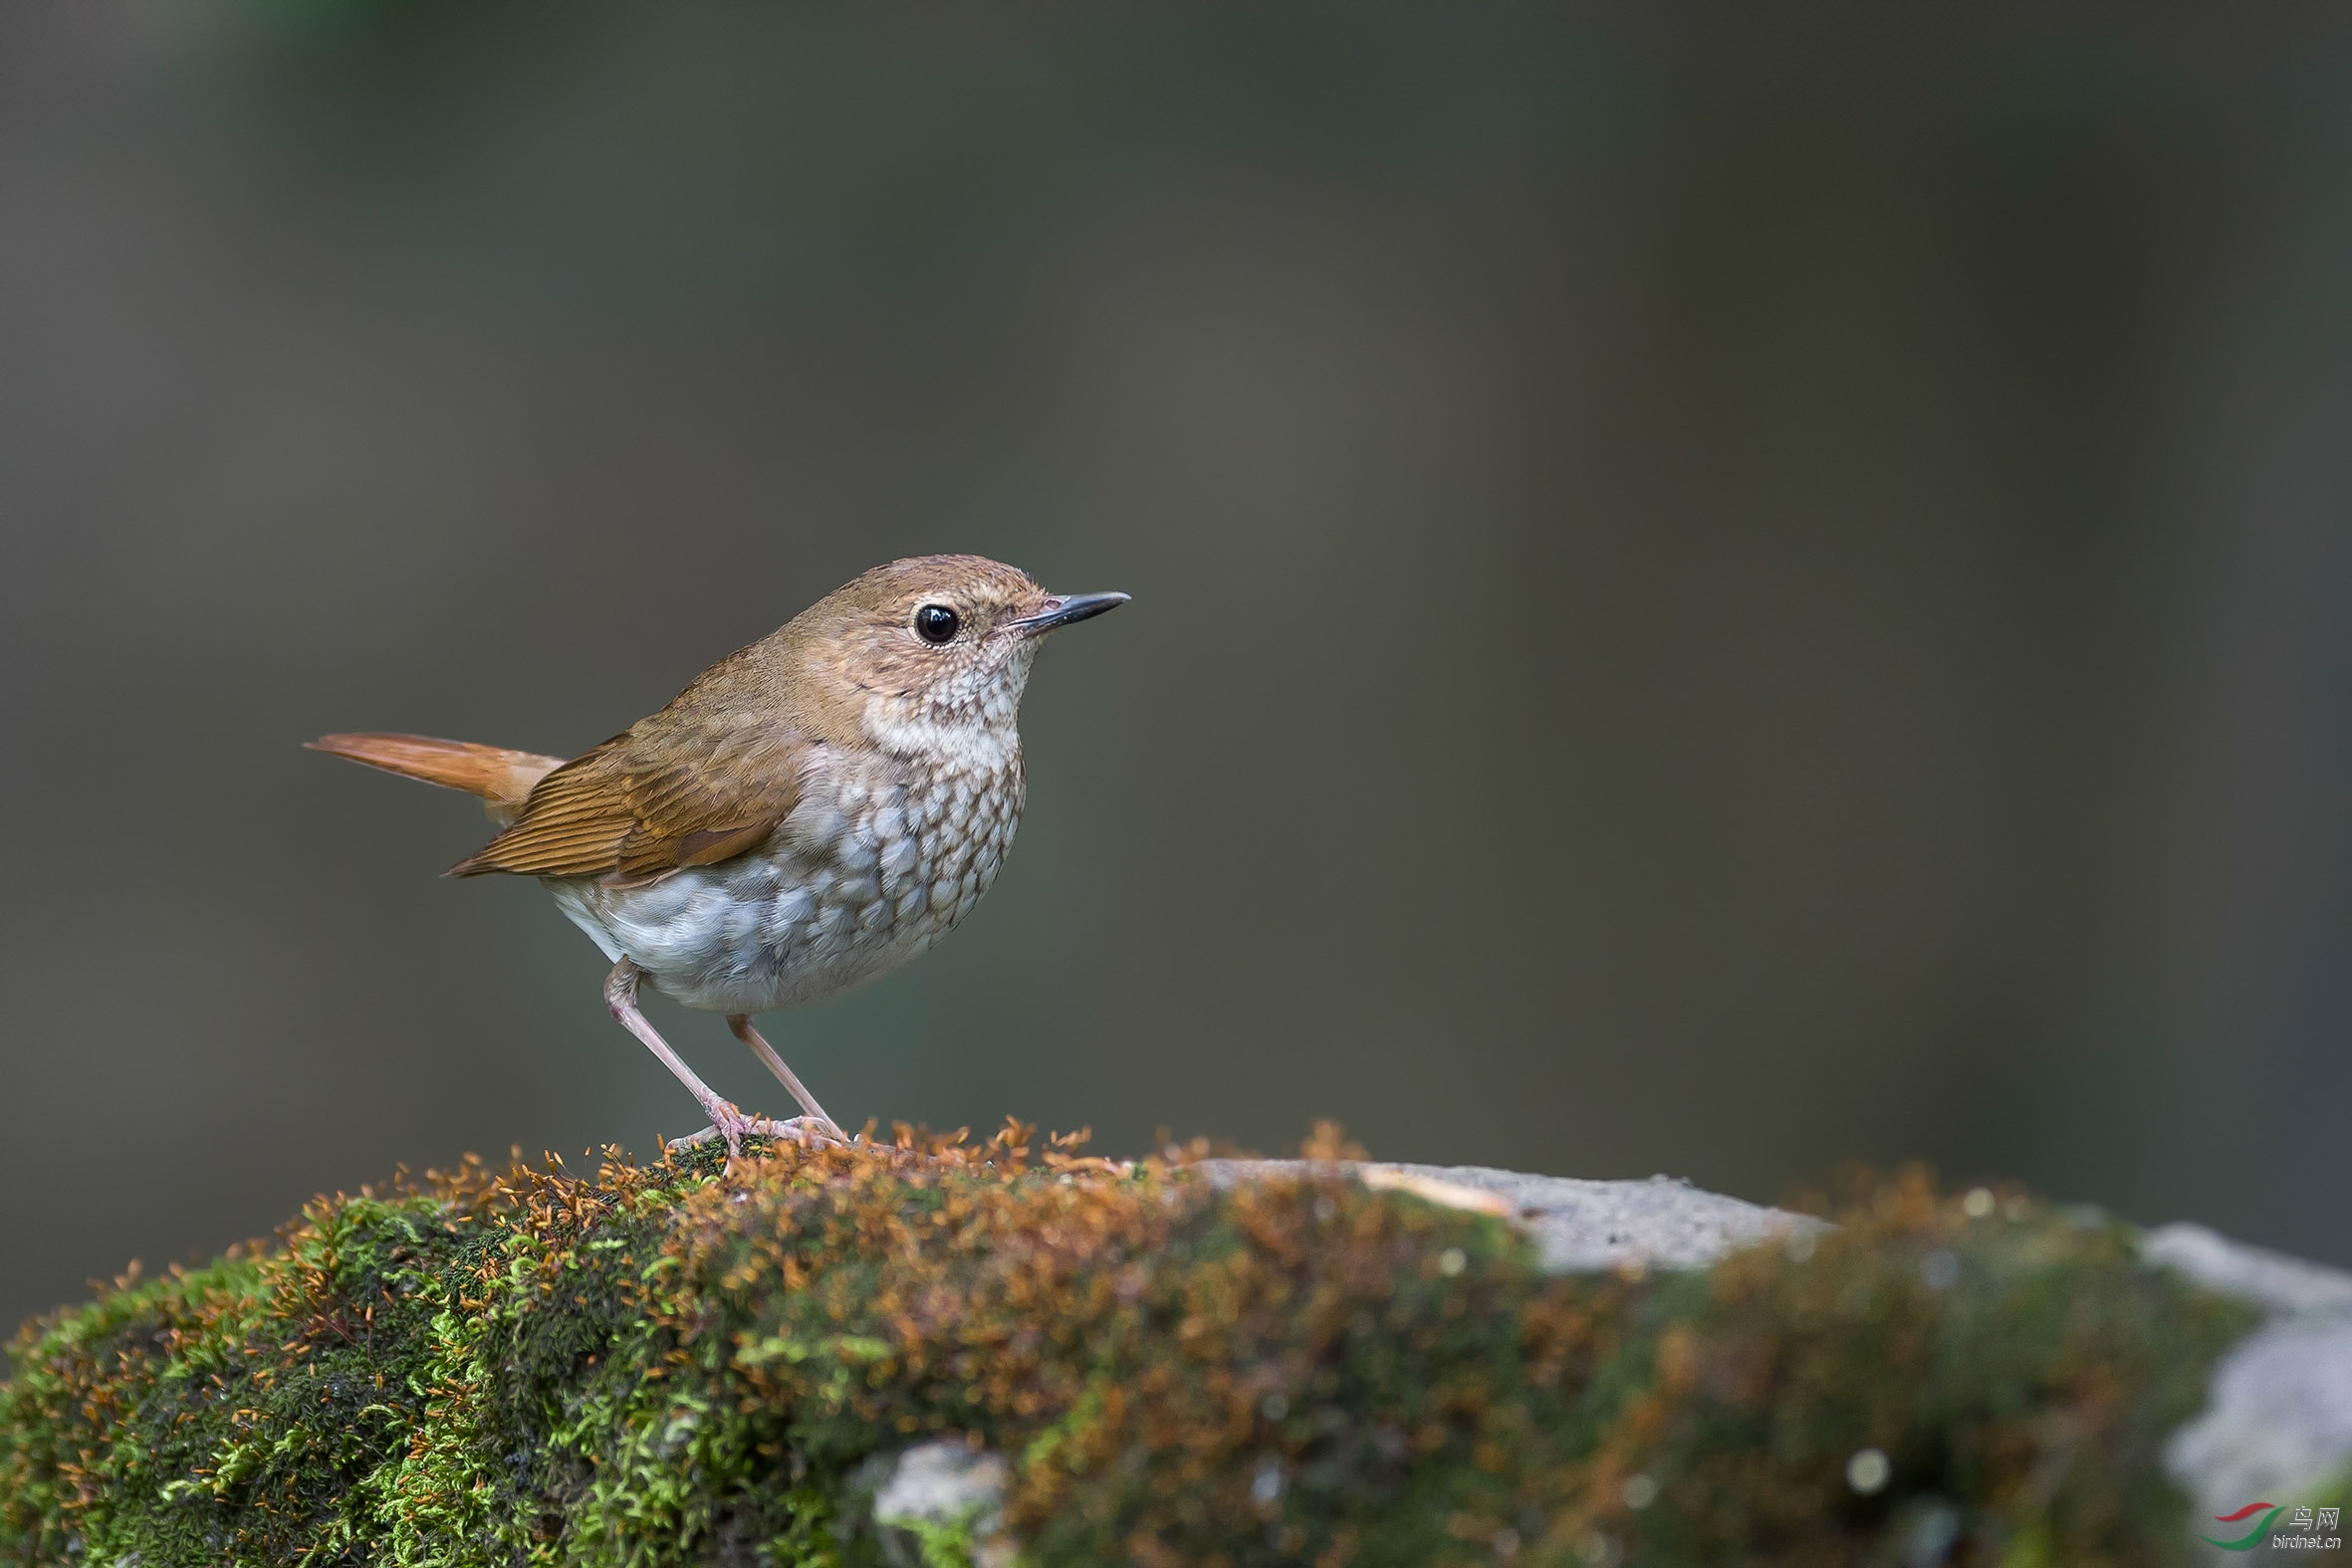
(957, 742)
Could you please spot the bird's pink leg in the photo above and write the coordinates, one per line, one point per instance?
(741, 1024)
(621, 998)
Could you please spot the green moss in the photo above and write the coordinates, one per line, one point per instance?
(679, 1364)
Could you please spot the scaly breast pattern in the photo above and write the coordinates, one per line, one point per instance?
(882, 856)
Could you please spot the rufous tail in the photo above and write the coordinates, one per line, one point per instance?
(503, 779)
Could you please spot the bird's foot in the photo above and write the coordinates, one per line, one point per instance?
(807, 1131)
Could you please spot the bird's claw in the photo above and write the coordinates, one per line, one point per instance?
(807, 1131)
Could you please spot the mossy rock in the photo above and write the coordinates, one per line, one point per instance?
(686, 1362)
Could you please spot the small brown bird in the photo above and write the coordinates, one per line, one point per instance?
(812, 811)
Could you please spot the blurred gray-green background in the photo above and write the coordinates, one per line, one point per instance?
(1719, 589)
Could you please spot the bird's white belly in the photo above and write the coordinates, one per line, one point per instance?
(833, 899)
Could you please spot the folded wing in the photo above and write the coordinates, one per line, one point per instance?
(651, 802)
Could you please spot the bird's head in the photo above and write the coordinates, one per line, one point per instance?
(931, 654)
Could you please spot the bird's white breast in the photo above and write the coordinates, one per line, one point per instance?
(880, 858)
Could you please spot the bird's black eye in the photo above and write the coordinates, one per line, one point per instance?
(936, 623)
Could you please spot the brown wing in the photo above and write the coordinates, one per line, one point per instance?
(651, 801)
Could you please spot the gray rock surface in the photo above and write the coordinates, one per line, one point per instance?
(1582, 1227)
(944, 1486)
(2280, 1423)
(2270, 1280)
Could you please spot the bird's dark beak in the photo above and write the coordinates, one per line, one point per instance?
(1065, 610)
